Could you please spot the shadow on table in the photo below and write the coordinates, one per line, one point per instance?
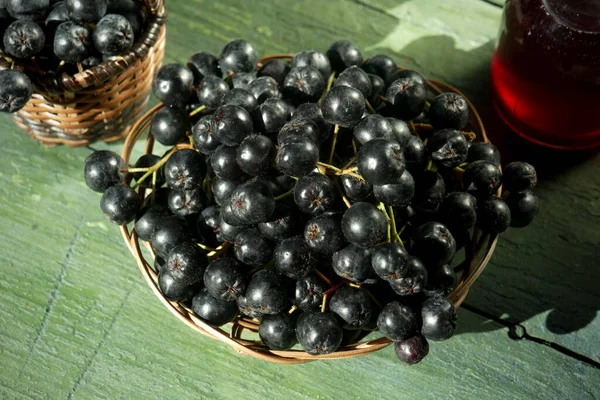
(565, 282)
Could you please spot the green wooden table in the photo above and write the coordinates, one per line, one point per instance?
(78, 321)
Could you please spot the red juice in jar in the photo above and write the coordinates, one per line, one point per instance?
(546, 72)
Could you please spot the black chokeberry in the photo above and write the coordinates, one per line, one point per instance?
(264, 88)
(225, 279)
(353, 263)
(148, 219)
(267, 292)
(303, 84)
(343, 105)
(293, 258)
(355, 189)
(185, 169)
(238, 56)
(405, 73)
(483, 151)
(203, 135)
(381, 162)
(343, 54)
(314, 193)
(353, 306)
(523, 208)
(240, 97)
(211, 92)
(186, 263)
(364, 225)
(270, 116)
(323, 233)
(380, 65)
(71, 42)
(173, 84)
(297, 156)
(169, 232)
(408, 97)
(413, 280)
(276, 69)
(440, 281)
(448, 148)
(299, 127)
(309, 290)
(223, 162)
(242, 80)
(103, 169)
(396, 194)
(355, 78)
(86, 11)
(397, 321)
(430, 190)
(318, 333)
(120, 203)
(282, 224)
(256, 155)
(313, 58)
(459, 209)
(24, 39)
(33, 10)
(493, 215)
(222, 188)
(252, 248)
(412, 350)
(176, 290)
(449, 110)
(415, 155)
(402, 134)
(390, 261)
(439, 318)
(113, 35)
(519, 176)
(278, 332)
(433, 244)
(183, 203)
(203, 64)
(482, 178)
(213, 311)
(170, 125)
(312, 112)
(252, 202)
(373, 126)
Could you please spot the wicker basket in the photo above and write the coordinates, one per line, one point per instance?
(477, 254)
(99, 103)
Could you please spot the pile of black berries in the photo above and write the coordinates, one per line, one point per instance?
(324, 195)
(56, 37)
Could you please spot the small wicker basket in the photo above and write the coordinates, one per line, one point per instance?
(477, 253)
(99, 103)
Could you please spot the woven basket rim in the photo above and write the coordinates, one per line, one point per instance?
(479, 242)
(107, 69)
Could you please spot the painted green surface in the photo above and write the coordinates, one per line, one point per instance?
(79, 322)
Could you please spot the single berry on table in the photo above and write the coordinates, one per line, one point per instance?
(120, 203)
(412, 350)
(523, 208)
(103, 169)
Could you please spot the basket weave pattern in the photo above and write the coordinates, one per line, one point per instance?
(100, 103)
(477, 254)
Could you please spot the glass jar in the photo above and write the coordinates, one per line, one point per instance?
(546, 72)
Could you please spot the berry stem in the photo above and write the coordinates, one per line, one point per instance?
(459, 169)
(135, 170)
(284, 195)
(336, 129)
(427, 105)
(153, 195)
(219, 250)
(327, 87)
(197, 110)
(342, 195)
(354, 150)
(320, 275)
(328, 166)
(357, 176)
(324, 303)
(370, 107)
(206, 248)
(155, 167)
(412, 127)
(394, 231)
(349, 163)
(292, 309)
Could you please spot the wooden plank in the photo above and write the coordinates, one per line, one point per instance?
(78, 321)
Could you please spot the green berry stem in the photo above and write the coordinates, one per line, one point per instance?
(320, 275)
(393, 220)
(284, 195)
(197, 110)
(336, 129)
(155, 167)
(328, 166)
(370, 107)
(153, 195)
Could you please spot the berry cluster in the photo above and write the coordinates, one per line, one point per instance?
(323, 195)
(62, 36)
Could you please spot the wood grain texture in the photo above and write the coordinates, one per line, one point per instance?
(79, 322)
